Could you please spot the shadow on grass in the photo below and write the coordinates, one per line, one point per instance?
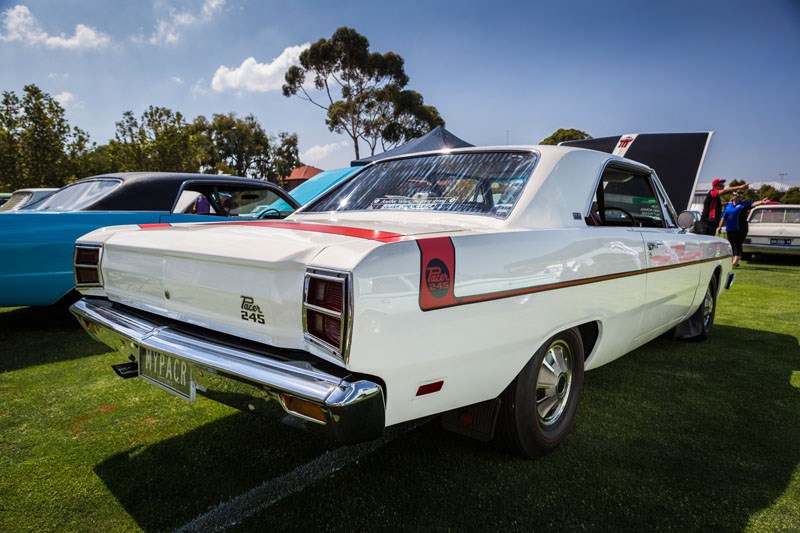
(678, 436)
(169, 483)
(32, 336)
(776, 263)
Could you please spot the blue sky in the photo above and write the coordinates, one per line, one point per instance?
(498, 71)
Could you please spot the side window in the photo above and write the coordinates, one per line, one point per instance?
(228, 201)
(627, 198)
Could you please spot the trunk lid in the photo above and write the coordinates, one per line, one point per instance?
(240, 278)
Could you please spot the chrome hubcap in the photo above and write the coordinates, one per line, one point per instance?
(708, 307)
(553, 383)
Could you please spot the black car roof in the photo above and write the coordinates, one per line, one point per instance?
(157, 191)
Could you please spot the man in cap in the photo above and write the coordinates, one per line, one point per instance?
(712, 206)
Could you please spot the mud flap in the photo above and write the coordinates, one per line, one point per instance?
(476, 421)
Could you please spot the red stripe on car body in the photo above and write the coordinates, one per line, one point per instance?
(359, 233)
(154, 226)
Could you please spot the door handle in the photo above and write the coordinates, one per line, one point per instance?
(654, 244)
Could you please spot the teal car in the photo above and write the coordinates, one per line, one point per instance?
(310, 189)
(37, 243)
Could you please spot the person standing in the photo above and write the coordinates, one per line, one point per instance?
(735, 220)
(712, 206)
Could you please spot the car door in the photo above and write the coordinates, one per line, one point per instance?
(632, 198)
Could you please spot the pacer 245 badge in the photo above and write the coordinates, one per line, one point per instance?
(437, 277)
(251, 311)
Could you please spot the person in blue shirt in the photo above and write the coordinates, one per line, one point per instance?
(735, 220)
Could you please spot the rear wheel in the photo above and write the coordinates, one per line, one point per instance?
(538, 407)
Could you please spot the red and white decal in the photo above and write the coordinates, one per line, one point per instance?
(624, 143)
(437, 273)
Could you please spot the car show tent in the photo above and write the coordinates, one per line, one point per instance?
(436, 139)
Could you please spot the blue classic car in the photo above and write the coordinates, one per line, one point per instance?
(36, 244)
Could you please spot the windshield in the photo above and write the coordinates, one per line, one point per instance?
(76, 197)
(476, 183)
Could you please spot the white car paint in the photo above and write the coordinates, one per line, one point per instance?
(517, 281)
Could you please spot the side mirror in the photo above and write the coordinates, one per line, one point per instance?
(687, 219)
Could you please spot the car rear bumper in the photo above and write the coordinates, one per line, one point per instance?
(770, 249)
(244, 378)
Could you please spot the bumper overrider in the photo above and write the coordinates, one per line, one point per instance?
(246, 378)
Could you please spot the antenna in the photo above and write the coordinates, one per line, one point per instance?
(781, 175)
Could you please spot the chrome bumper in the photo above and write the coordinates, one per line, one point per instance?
(770, 249)
(243, 378)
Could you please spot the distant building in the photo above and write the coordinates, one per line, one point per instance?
(299, 175)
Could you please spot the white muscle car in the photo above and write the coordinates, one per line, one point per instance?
(478, 283)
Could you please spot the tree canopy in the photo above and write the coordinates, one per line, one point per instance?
(38, 148)
(361, 91)
(561, 135)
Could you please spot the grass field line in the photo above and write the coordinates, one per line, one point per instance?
(239, 508)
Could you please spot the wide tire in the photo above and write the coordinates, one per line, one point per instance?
(538, 408)
(704, 316)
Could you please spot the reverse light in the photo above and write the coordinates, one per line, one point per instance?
(326, 310)
(86, 265)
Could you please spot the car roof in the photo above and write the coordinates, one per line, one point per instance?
(157, 191)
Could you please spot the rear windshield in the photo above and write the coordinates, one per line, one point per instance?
(775, 216)
(77, 196)
(475, 183)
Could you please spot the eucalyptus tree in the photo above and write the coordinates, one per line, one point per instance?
(358, 89)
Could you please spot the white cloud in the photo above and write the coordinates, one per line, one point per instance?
(317, 154)
(64, 98)
(68, 100)
(177, 79)
(200, 87)
(19, 24)
(254, 76)
(85, 37)
(58, 75)
(169, 31)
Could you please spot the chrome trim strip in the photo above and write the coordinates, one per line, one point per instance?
(771, 248)
(335, 314)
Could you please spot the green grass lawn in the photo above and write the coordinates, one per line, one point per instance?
(678, 436)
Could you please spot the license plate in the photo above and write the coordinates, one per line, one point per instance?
(168, 372)
(781, 242)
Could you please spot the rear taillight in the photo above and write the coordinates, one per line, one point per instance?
(87, 265)
(326, 311)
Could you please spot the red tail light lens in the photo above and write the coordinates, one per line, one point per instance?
(86, 276)
(326, 293)
(324, 327)
(87, 256)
